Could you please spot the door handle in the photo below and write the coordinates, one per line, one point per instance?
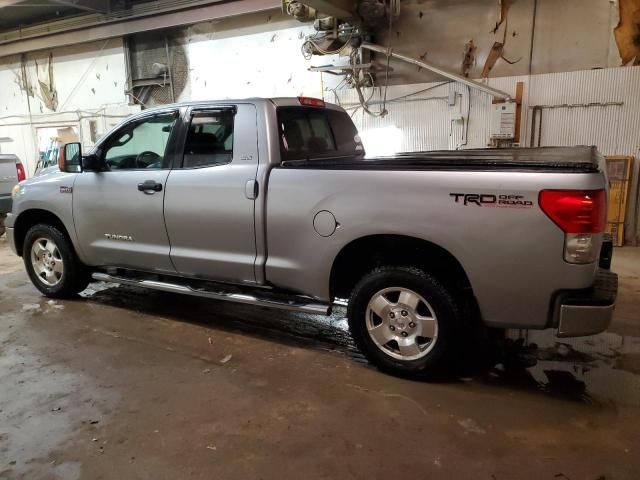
(251, 189)
(150, 187)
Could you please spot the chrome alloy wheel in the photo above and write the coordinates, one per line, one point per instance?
(47, 262)
(401, 323)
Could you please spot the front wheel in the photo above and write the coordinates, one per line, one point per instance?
(405, 321)
(52, 264)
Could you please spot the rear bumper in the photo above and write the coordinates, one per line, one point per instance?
(579, 313)
(5, 204)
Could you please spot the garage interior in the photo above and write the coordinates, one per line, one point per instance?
(127, 383)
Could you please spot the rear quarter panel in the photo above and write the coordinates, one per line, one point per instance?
(512, 256)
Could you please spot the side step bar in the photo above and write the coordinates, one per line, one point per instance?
(294, 303)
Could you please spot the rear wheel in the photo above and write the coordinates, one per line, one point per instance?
(405, 321)
(52, 264)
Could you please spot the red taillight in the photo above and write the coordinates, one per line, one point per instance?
(311, 102)
(20, 171)
(576, 211)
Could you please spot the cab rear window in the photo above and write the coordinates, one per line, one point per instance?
(308, 133)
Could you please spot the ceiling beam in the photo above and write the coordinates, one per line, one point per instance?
(102, 6)
(10, 3)
(120, 28)
(99, 6)
(30, 5)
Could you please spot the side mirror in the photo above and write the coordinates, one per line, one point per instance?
(69, 158)
(92, 163)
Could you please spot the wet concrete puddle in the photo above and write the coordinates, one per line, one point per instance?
(598, 369)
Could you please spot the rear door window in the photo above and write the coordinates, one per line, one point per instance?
(209, 139)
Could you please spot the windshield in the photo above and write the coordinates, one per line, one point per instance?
(308, 133)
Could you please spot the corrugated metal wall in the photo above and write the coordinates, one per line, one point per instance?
(427, 121)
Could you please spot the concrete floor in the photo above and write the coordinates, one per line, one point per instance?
(130, 384)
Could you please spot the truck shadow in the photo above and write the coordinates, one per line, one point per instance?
(290, 328)
(590, 370)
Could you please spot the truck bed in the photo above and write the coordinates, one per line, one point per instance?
(582, 159)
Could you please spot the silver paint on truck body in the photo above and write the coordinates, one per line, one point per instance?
(42, 192)
(216, 239)
(512, 256)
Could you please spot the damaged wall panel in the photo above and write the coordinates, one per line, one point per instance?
(497, 51)
(48, 93)
(570, 35)
(56, 88)
(440, 30)
(79, 76)
(627, 32)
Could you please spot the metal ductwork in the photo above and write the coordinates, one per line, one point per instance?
(342, 9)
(440, 71)
(346, 27)
(368, 14)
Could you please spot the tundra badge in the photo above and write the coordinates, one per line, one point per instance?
(113, 236)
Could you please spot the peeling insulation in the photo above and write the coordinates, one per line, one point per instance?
(504, 12)
(627, 32)
(469, 59)
(48, 93)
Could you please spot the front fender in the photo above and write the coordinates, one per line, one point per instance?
(51, 193)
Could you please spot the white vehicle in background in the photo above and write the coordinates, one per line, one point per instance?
(11, 172)
(48, 157)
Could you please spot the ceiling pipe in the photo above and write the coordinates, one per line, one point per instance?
(444, 73)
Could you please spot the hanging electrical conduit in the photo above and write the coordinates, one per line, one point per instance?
(536, 115)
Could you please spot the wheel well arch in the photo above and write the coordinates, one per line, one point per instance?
(31, 217)
(362, 255)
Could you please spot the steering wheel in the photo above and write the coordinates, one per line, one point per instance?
(141, 155)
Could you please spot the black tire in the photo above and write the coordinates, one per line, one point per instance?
(441, 358)
(2, 227)
(75, 276)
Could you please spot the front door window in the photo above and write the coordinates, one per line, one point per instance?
(141, 144)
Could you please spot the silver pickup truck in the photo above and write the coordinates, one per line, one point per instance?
(272, 202)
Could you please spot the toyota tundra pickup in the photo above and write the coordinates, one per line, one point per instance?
(273, 202)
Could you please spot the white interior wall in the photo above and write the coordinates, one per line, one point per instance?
(89, 80)
(252, 56)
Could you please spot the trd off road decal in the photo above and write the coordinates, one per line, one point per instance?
(492, 200)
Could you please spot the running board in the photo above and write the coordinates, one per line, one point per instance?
(294, 303)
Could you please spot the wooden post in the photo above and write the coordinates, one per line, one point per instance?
(518, 100)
